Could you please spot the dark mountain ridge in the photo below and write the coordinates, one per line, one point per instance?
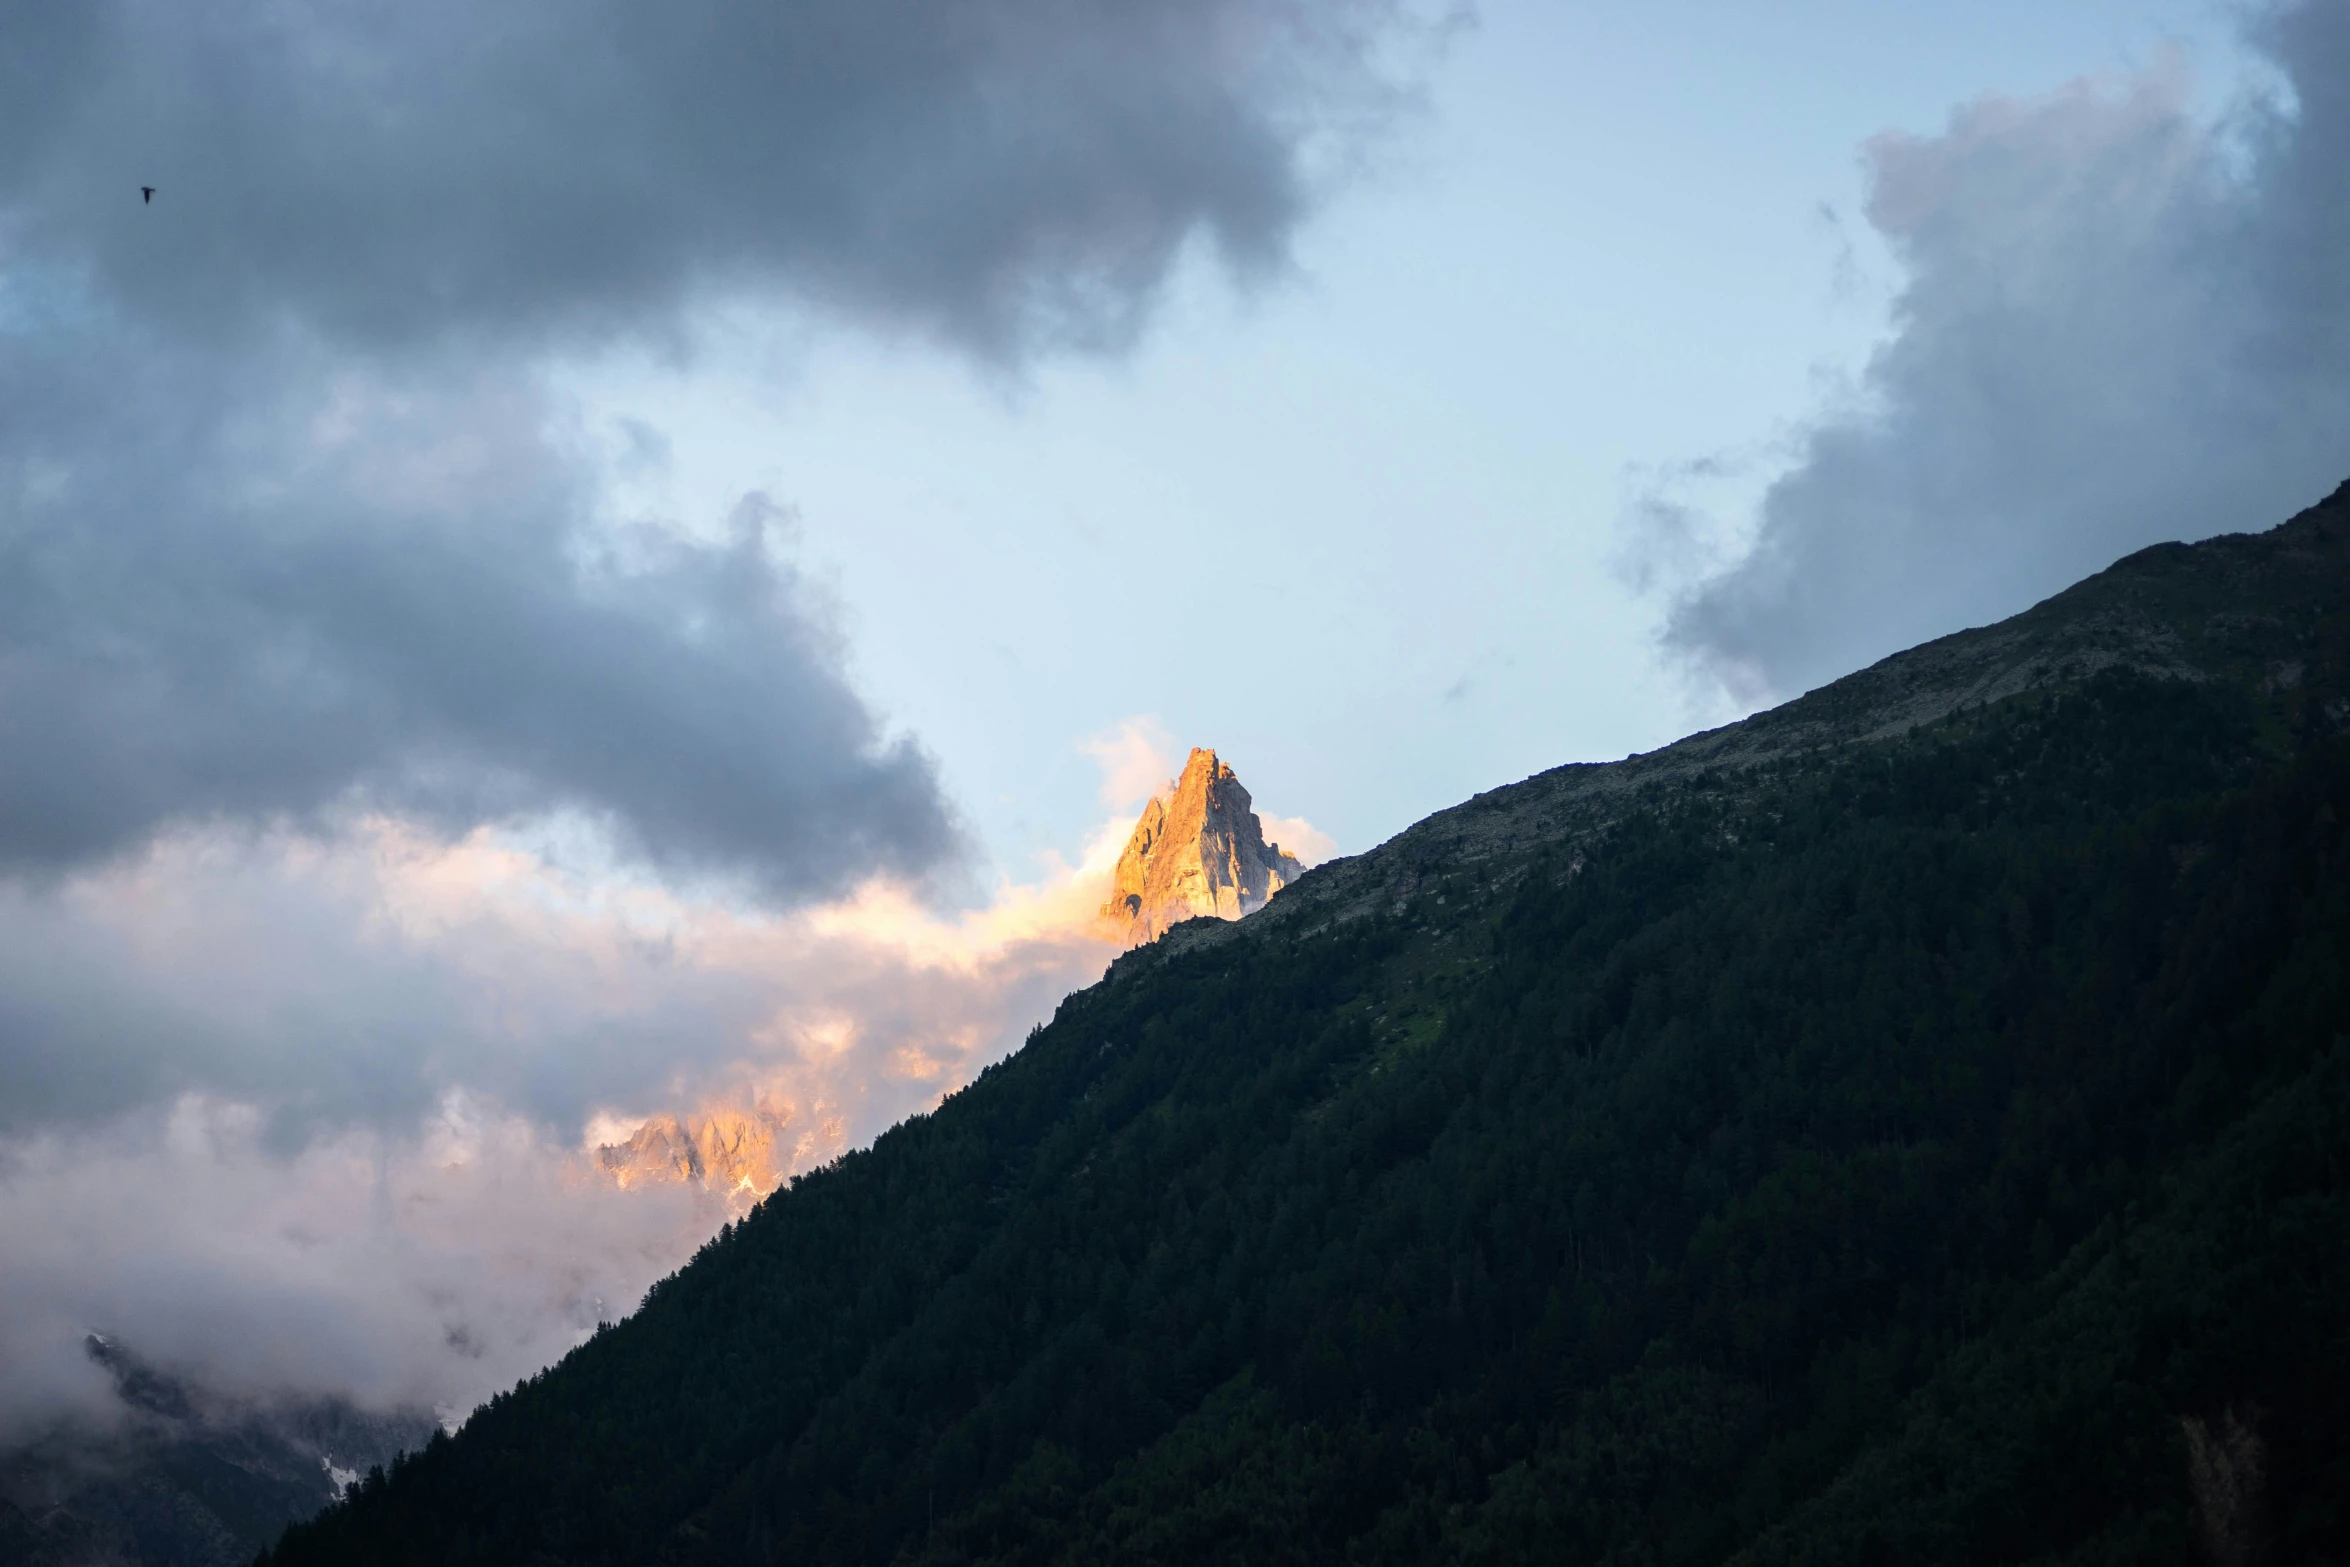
(183, 1474)
(2257, 610)
(1906, 1125)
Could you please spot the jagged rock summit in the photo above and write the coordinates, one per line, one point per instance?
(1198, 849)
(723, 1150)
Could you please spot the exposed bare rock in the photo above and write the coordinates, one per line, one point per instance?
(1198, 850)
(724, 1150)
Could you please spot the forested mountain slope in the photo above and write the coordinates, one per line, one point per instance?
(1909, 1125)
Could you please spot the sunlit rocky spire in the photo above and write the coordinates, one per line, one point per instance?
(1198, 849)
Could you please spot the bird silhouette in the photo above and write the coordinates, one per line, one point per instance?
(146, 194)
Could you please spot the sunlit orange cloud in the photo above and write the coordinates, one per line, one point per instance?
(1138, 758)
(499, 1065)
(845, 1017)
(443, 1226)
(1300, 837)
(589, 998)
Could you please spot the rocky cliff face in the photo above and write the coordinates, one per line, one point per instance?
(1198, 849)
(725, 1151)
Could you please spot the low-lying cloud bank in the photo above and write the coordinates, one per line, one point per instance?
(360, 979)
(294, 1116)
(321, 1118)
(427, 1267)
(2120, 323)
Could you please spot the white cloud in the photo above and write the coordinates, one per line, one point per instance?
(428, 1267)
(2119, 325)
(308, 1113)
(1300, 837)
(1138, 758)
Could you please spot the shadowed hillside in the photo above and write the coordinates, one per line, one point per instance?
(182, 1473)
(1905, 1126)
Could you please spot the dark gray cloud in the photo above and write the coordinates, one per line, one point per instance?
(2121, 323)
(361, 594)
(288, 525)
(998, 170)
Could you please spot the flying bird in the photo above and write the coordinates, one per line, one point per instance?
(146, 194)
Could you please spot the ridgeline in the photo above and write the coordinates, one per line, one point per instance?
(1910, 1125)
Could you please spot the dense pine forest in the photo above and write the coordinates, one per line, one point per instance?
(1910, 1126)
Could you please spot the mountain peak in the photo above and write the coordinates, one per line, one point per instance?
(1198, 849)
(724, 1150)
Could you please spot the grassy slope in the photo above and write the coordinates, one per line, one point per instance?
(1863, 1133)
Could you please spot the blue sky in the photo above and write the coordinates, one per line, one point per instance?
(1359, 525)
